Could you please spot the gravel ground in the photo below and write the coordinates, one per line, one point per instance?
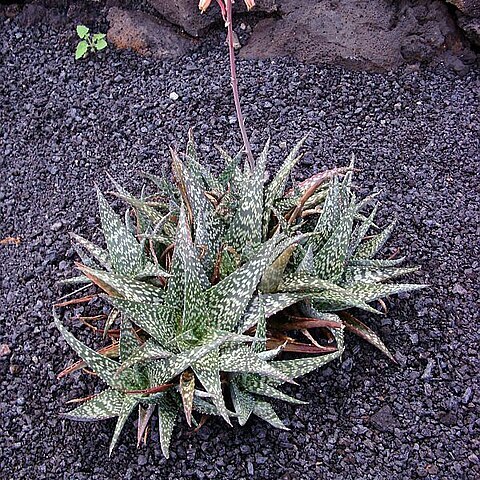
(415, 135)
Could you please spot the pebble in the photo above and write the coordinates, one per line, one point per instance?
(57, 226)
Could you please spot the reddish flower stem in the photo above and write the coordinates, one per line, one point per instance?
(236, 96)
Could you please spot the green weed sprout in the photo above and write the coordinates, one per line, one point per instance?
(89, 42)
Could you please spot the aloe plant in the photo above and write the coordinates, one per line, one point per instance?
(214, 281)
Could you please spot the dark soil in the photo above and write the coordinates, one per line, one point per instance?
(65, 124)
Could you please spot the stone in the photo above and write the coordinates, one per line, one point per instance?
(359, 34)
(383, 419)
(471, 27)
(468, 7)
(145, 34)
(4, 350)
(185, 13)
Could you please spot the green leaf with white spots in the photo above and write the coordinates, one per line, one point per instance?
(121, 286)
(157, 320)
(266, 412)
(359, 328)
(105, 367)
(167, 415)
(207, 371)
(129, 403)
(153, 214)
(329, 260)
(230, 298)
(272, 303)
(100, 256)
(162, 371)
(128, 340)
(371, 247)
(148, 351)
(126, 254)
(243, 403)
(246, 226)
(187, 390)
(243, 360)
(354, 275)
(301, 366)
(107, 404)
(304, 282)
(333, 300)
(361, 230)
(369, 292)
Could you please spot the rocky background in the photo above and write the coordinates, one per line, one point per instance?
(373, 35)
(414, 129)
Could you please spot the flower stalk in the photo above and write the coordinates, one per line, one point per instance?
(234, 83)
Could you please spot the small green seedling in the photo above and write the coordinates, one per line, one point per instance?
(89, 42)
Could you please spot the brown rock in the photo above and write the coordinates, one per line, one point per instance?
(364, 34)
(145, 34)
(468, 7)
(185, 13)
(471, 28)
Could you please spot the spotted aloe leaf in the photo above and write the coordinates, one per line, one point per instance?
(229, 299)
(105, 367)
(371, 247)
(272, 303)
(260, 386)
(122, 286)
(231, 165)
(369, 292)
(187, 391)
(354, 325)
(361, 230)
(128, 405)
(126, 253)
(107, 404)
(204, 222)
(150, 350)
(266, 412)
(329, 260)
(334, 300)
(167, 414)
(128, 340)
(100, 256)
(156, 319)
(261, 330)
(301, 366)
(162, 371)
(246, 226)
(243, 360)
(208, 372)
(243, 403)
(361, 274)
(210, 182)
(145, 208)
(304, 282)
(276, 187)
(330, 215)
(195, 280)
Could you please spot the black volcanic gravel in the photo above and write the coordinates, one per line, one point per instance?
(64, 124)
